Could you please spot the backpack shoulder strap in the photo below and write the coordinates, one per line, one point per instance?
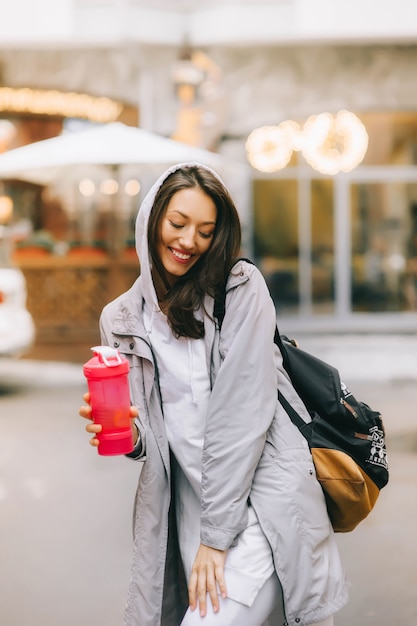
(219, 308)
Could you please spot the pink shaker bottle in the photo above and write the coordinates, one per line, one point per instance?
(107, 378)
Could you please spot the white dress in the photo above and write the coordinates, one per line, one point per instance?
(185, 390)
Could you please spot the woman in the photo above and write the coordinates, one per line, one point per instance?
(227, 503)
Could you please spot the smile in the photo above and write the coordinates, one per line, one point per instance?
(181, 255)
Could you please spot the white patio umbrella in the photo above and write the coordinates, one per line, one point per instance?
(128, 152)
(114, 144)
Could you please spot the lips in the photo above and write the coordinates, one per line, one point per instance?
(181, 257)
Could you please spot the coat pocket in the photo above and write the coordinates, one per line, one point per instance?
(291, 495)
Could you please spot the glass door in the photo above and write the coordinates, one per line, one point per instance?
(294, 243)
(384, 246)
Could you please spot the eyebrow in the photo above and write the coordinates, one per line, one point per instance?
(186, 217)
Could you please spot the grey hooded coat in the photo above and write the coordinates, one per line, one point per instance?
(252, 452)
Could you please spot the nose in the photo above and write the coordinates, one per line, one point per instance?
(187, 238)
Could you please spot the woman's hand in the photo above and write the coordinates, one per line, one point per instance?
(85, 411)
(207, 577)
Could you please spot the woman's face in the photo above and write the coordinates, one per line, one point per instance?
(187, 230)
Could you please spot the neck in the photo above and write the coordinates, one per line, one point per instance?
(161, 285)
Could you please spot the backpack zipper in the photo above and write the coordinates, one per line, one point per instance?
(349, 408)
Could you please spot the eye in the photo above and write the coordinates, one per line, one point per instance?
(206, 235)
(174, 225)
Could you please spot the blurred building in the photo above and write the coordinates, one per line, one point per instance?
(333, 197)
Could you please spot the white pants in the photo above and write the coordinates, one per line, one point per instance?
(268, 603)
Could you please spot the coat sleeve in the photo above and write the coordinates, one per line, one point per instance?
(241, 408)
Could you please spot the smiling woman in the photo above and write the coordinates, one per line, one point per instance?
(209, 429)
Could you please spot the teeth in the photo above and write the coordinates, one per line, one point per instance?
(184, 257)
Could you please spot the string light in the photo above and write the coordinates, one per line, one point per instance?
(132, 187)
(86, 187)
(330, 144)
(54, 102)
(109, 186)
(334, 144)
(268, 148)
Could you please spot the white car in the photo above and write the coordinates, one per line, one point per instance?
(17, 329)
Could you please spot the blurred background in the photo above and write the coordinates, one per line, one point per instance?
(308, 110)
(309, 107)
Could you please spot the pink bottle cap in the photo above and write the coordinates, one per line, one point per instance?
(104, 362)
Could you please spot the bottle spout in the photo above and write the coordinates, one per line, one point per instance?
(109, 356)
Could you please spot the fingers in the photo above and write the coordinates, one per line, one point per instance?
(212, 592)
(192, 590)
(207, 579)
(197, 592)
(214, 583)
(86, 412)
(203, 583)
(94, 442)
(221, 583)
(202, 593)
(94, 429)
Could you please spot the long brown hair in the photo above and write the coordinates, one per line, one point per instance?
(210, 273)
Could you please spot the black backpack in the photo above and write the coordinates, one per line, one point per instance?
(346, 437)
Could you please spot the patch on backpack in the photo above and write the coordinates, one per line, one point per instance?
(377, 453)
